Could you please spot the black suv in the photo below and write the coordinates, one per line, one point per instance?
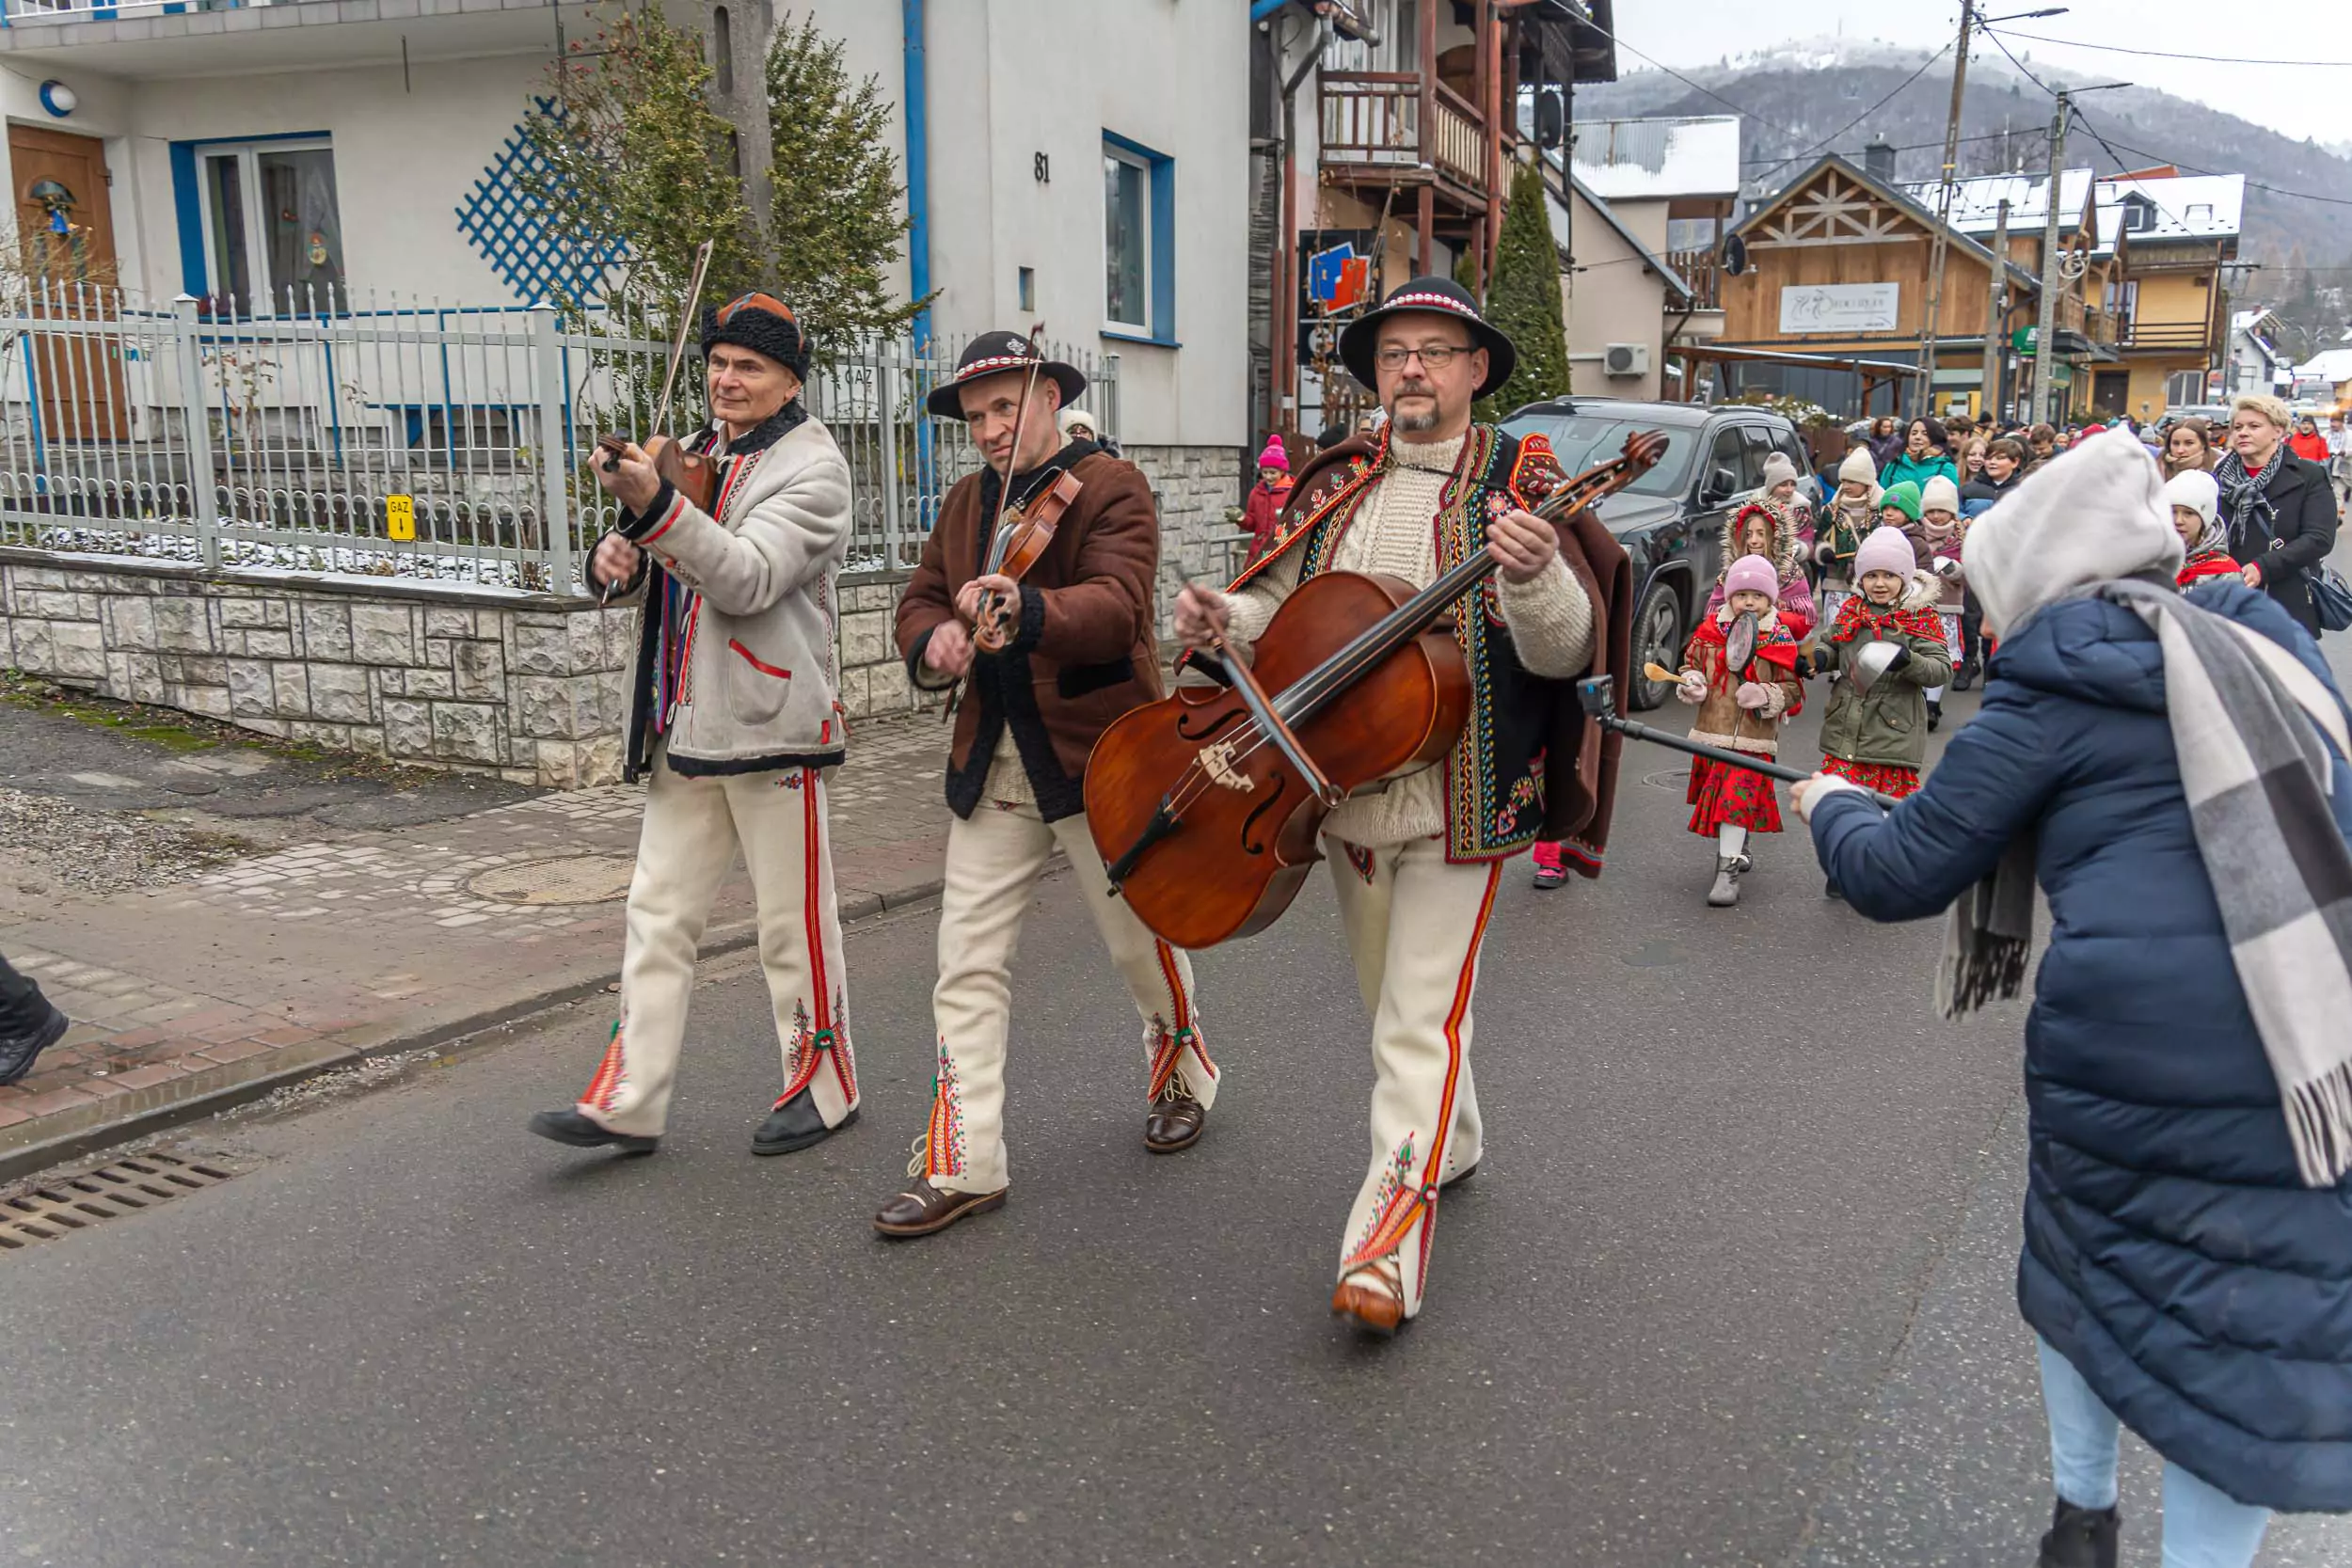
(1670, 520)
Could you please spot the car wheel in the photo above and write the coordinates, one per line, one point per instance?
(1656, 640)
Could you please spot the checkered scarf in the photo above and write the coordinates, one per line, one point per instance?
(2247, 720)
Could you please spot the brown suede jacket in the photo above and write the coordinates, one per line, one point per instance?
(1083, 651)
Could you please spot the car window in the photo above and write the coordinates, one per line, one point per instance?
(1728, 453)
(1579, 441)
(1759, 447)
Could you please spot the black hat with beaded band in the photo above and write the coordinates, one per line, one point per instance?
(1438, 296)
(993, 354)
(761, 322)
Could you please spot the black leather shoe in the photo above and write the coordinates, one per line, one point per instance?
(1935, 715)
(570, 1126)
(1460, 1176)
(1966, 676)
(1174, 1122)
(2082, 1537)
(17, 1051)
(923, 1210)
(795, 1125)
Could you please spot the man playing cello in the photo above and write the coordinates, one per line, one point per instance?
(1080, 654)
(1416, 866)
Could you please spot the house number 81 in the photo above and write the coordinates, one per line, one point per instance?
(1043, 169)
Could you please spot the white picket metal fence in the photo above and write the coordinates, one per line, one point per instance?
(400, 440)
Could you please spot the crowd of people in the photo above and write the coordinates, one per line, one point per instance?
(1883, 566)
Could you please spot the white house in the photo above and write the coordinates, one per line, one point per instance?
(1094, 178)
(2256, 363)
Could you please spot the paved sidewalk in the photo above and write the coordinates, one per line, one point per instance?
(191, 997)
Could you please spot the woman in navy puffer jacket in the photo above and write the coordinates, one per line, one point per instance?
(2176, 1268)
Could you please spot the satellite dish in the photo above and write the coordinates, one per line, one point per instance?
(1735, 255)
(1551, 118)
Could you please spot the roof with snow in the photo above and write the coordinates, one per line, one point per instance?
(2335, 366)
(1631, 160)
(1976, 201)
(2176, 207)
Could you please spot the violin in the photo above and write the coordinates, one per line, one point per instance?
(1019, 545)
(1208, 804)
(690, 473)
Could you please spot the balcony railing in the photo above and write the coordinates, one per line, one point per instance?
(2161, 335)
(1372, 120)
(1703, 271)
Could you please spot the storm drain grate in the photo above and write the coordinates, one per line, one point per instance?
(110, 1192)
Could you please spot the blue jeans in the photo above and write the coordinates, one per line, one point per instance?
(2203, 1526)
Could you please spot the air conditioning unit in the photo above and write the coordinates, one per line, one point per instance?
(1626, 360)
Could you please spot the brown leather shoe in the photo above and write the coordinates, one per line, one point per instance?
(1366, 1297)
(923, 1209)
(1175, 1122)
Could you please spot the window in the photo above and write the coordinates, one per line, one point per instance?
(273, 231)
(1139, 242)
(1024, 290)
(1690, 234)
(721, 52)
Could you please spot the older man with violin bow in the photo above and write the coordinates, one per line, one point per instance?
(1036, 593)
(735, 538)
(1418, 863)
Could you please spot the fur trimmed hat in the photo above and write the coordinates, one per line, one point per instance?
(761, 322)
(1939, 495)
(1887, 550)
(1857, 468)
(1777, 468)
(1756, 574)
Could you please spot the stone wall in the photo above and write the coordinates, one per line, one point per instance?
(530, 687)
(1196, 486)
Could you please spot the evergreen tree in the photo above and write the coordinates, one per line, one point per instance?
(1523, 299)
(836, 223)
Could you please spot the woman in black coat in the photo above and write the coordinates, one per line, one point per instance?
(2280, 507)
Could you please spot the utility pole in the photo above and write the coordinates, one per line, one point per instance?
(1989, 392)
(1934, 326)
(2046, 326)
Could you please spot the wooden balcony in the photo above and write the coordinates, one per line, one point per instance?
(2161, 337)
(1373, 134)
(1702, 270)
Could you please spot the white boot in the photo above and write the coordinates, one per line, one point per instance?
(1726, 892)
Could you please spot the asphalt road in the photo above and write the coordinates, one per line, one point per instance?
(1732, 1288)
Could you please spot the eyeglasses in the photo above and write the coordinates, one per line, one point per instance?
(1436, 357)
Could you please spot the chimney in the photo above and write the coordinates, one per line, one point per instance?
(1878, 159)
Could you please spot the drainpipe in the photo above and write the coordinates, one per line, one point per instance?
(917, 117)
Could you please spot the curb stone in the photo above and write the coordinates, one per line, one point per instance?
(120, 1119)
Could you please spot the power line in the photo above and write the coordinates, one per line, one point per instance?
(1695, 87)
(1863, 116)
(2166, 55)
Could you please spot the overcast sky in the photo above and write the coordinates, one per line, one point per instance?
(2300, 101)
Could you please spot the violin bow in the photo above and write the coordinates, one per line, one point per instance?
(677, 358)
(994, 556)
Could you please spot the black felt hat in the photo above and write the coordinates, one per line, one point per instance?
(993, 354)
(1438, 296)
(763, 324)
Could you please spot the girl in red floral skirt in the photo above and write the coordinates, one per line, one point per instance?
(1741, 709)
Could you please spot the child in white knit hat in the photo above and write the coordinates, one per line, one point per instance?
(2196, 503)
(1941, 523)
(1853, 513)
(1740, 709)
(1878, 738)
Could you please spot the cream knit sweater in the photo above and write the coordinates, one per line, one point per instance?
(1551, 620)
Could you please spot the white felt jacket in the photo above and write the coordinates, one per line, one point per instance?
(762, 681)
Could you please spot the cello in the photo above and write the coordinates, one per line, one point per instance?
(1206, 805)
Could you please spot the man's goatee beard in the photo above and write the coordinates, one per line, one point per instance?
(1413, 424)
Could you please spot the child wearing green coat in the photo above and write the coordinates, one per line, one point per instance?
(1878, 738)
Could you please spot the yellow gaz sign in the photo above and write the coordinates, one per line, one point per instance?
(400, 517)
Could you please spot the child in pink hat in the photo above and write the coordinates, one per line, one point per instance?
(1261, 515)
(1741, 709)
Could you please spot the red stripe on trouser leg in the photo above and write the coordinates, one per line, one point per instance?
(598, 1093)
(1463, 986)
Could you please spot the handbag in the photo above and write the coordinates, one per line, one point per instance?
(2332, 599)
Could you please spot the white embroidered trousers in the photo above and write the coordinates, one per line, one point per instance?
(694, 827)
(993, 861)
(1415, 923)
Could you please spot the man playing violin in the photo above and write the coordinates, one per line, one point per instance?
(1417, 864)
(1077, 652)
(735, 720)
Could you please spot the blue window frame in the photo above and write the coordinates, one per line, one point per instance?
(1139, 242)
